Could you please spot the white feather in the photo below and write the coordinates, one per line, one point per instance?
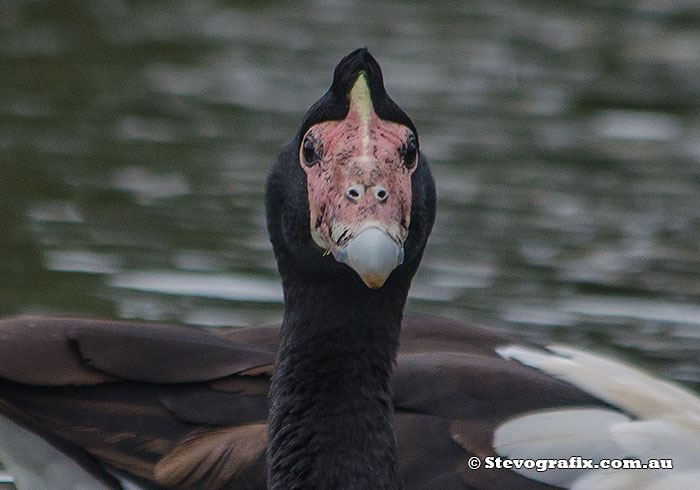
(657, 420)
(35, 464)
(619, 384)
(558, 434)
(660, 439)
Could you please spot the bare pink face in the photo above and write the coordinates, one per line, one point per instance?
(358, 173)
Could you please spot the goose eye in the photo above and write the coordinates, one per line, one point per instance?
(308, 152)
(410, 152)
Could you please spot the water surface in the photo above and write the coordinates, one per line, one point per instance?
(135, 138)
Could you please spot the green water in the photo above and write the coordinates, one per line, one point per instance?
(564, 136)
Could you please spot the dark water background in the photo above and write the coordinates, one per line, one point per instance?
(564, 136)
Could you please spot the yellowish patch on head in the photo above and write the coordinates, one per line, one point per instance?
(361, 103)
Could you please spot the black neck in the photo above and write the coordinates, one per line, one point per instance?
(330, 421)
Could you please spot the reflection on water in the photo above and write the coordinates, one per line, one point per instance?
(235, 288)
(565, 140)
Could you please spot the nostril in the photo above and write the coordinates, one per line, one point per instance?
(380, 193)
(354, 193)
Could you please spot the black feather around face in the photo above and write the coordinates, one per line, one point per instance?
(286, 197)
(335, 103)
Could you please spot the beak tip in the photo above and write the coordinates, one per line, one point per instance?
(374, 282)
(372, 255)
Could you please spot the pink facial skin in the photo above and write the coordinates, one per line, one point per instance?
(357, 177)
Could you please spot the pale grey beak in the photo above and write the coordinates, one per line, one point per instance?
(373, 255)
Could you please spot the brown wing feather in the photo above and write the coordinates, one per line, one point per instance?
(165, 354)
(459, 385)
(39, 351)
(68, 348)
(119, 419)
(201, 405)
(208, 458)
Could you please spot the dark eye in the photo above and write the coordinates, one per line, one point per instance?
(308, 151)
(410, 152)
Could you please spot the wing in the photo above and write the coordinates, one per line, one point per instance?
(661, 423)
(167, 406)
(451, 389)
